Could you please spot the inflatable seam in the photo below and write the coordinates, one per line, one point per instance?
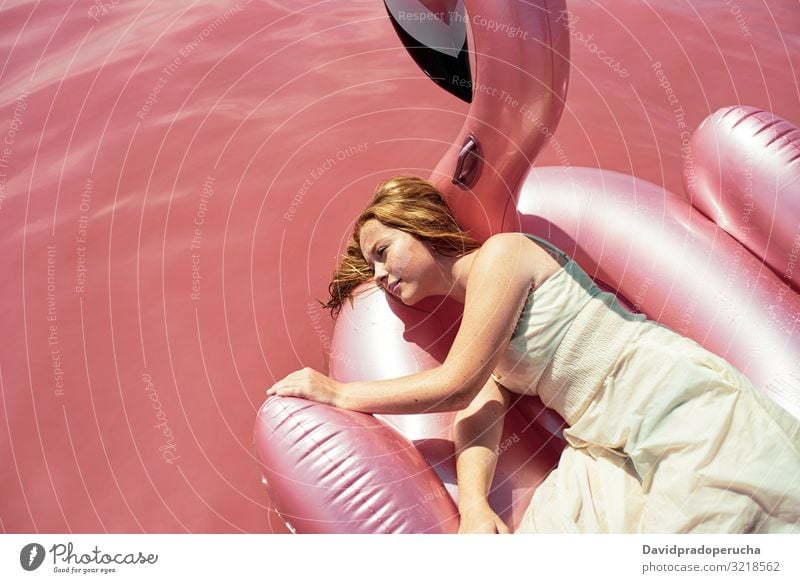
(317, 445)
(302, 426)
(352, 482)
(767, 125)
(782, 136)
(365, 502)
(751, 114)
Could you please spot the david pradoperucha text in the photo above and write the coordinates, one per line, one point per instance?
(699, 550)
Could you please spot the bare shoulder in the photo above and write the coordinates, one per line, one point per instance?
(505, 259)
(512, 242)
(525, 255)
(508, 243)
(530, 260)
(498, 286)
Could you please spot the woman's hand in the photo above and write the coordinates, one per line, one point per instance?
(308, 384)
(481, 519)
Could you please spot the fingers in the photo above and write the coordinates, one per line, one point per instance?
(282, 387)
(286, 389)
(276, 391)
(279, 387)
(273, 390)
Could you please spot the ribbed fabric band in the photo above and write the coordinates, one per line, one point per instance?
(584, 357)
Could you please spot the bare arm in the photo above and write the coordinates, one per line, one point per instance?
(499, 281)
(498, 286)
(477, 433)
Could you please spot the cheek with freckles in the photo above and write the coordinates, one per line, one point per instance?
(401, 260)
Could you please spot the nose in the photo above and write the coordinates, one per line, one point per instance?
(381, 275)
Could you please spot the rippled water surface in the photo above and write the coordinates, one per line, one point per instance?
(176, 179)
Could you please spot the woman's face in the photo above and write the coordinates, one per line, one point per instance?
(404, 266)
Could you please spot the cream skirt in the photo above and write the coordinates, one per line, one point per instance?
(676, 440)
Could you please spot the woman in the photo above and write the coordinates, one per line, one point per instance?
(664, 436)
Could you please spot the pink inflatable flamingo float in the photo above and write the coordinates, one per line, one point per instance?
(722, 268)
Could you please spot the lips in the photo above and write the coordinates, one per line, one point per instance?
(393, 287)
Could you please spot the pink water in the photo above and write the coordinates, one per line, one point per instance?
(176, 180)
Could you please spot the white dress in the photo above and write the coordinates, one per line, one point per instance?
(664, 436)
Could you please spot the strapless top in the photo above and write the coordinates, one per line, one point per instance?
(568, 335)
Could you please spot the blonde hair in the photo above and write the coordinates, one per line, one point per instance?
(409, 204)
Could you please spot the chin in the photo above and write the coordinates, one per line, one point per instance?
(407, 301)
(413, 300)
(409, 298)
